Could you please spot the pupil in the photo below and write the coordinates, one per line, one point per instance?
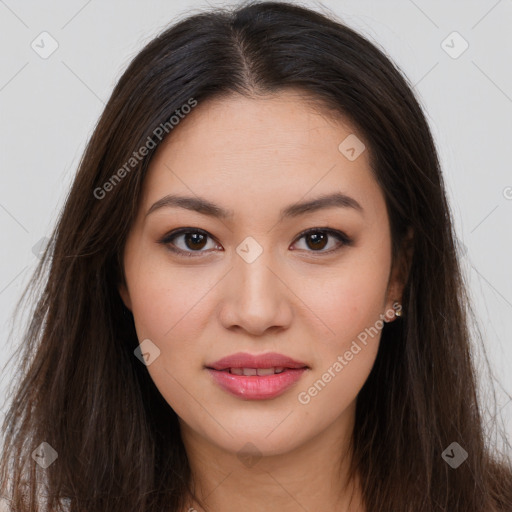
(196, 238)
(318, 237)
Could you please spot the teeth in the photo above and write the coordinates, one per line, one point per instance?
(256, 371)
(265, 371)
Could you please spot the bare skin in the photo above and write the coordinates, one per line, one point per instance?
(302, 299)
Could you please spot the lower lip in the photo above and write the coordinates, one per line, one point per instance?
(257, 387)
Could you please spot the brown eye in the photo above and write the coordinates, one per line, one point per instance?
(194, 241)
(318, 239)
(188, 241)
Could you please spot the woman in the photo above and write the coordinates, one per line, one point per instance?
(253, 298)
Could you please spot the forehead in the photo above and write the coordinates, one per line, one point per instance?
(288, 120)
(255, 150)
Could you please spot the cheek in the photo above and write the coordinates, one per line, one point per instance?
(351, 306)
(347, 300)
(168, 311)
(350, 302)
(163, 298)
(154, 306)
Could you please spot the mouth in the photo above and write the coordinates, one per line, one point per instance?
(251, 372)
(254, 362)
(253, 377)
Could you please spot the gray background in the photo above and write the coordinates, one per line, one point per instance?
(49, 108)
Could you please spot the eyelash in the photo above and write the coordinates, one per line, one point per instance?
(166, 240)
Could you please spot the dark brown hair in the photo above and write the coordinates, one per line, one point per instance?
(82, 391)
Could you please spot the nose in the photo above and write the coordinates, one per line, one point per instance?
(256, 297)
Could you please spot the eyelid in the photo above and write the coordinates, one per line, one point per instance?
(166, 240)
(344, 239)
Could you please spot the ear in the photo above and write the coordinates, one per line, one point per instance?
(400, 271)
(125, 295)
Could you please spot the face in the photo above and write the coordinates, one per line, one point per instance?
(311, 283)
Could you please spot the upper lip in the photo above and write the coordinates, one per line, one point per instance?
(246, 360)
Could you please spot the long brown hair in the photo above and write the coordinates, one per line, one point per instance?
(82, 390)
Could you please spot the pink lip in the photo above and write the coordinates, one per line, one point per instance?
(245, 360)
(256, 387)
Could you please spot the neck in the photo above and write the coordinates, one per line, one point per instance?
(312, 476)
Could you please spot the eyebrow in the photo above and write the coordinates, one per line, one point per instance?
(205, 207)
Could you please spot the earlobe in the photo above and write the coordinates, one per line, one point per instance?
(396, 310)
(400, 275)
(395, 290)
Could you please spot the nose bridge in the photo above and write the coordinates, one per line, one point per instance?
(257, 284)
(255, 277)
(257, 298)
